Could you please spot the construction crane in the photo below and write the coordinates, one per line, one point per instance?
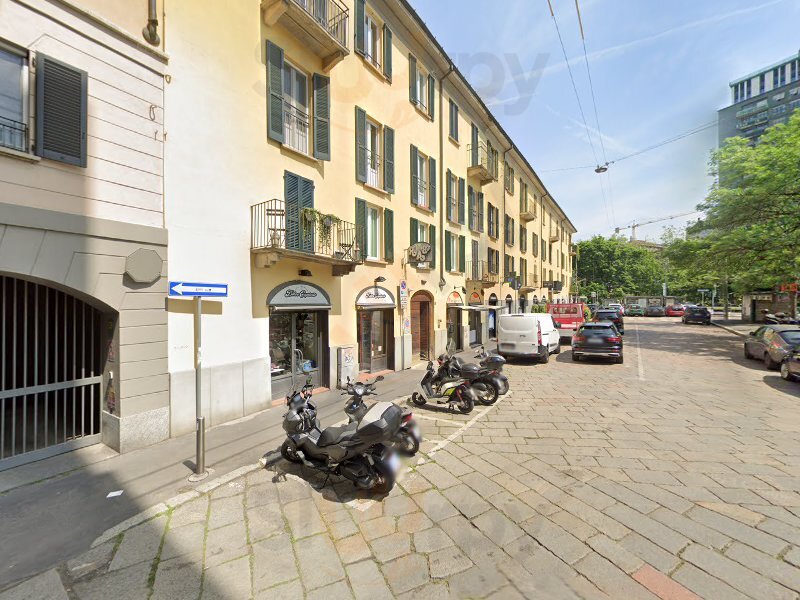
(634, 225)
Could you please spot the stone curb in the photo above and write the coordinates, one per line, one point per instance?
(729, 329)
(174, 502)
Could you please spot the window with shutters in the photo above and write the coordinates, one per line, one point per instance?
(13, 92)
(523, 239)
(423, 178)
(422, 232)
(535, 245)
(451, 251)
(452, 197)
(373, 46)
(453, 121)
(295, 108)
(422, 88)
(374, 145)
(373, 232)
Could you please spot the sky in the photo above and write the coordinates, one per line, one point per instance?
(659, 69)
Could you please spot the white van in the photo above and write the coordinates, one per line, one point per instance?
(528, 334)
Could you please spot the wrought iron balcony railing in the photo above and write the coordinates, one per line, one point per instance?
(481, 162)
(13, 134)
(295, 128)
(478, 270)
(274, 226)
(331, 16)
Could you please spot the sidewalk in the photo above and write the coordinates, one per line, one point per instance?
(735, 326)
(52, 510)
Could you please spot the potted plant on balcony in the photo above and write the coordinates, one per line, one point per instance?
(324, 224)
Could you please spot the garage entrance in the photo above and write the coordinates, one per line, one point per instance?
(52, 355)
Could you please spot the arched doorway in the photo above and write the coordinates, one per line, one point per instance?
(509, 303)
(421, 326)
(54, 350)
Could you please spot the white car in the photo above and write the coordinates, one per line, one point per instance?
(619, 307)
(533, 335)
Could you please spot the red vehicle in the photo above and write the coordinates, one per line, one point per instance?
(674, 310)
(568, 317)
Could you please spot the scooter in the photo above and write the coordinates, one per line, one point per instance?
(485, 383)
(407, 440)
(494, 362)
(437, 386)
(359, 451)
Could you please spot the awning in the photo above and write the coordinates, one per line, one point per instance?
(481, 307)
(298, 295)
(375, 297)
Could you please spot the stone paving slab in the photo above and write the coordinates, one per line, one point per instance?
(675, 475)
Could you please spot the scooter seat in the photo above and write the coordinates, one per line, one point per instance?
(332, 435)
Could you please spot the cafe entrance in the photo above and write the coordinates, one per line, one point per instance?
(454, 335)
(375, 326)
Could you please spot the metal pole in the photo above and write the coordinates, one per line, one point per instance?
(200, 462)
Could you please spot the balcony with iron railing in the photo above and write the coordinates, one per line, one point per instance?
(278, 232)
(295, 128)
(481, 163)
(13, 135)
(527, 210)
(321, 25)
(478, 271)
(555, 234)
(373, 165)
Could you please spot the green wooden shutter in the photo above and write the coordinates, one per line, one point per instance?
(388, 235)
(388, 159)
(431, 96)
(480, 212)
(471, 207)
(322, 117)
(461, 201)
(275, 88)
(414, 175)
(306, 200)
(448, 187)
(359, 16)
(387, 52)
(432, 238)
(448, 252)
(462, 253)
(361, 145)
(61, 101)
(432, 183)
(361, 227)
(474, 147)
(412, 79)
(291, 198)
(414, 231)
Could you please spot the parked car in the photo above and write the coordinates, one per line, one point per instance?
(790, 367)
(612, 315)
(634, 310)
(696, 314)
(599, 338)
(772, 343)
(533, 335)
(618, 306)
(654, 311)
(674, 310)
(568, 317)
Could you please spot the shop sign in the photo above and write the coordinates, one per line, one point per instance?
(375, 297)
(298, 294)
(419, 252)
(475, 298)
(455, 298)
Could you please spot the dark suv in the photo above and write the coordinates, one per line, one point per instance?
(697, 314)
(597, 339)
(612, 315)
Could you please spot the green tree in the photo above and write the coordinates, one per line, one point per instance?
(613, 267)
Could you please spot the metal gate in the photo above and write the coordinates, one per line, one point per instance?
(51, 365)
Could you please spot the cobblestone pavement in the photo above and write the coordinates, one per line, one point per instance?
(673, 476)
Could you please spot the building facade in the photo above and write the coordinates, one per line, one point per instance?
(325, 158)
(761, 99)
(83, 247)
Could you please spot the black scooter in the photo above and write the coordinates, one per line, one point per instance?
(494, 363)
(359, 451)
(485, 383)
(407, 440)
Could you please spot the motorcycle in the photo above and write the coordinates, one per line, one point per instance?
(485, 383)
(360, 451)
(494, 363)
(779, 318)
(408, 438)
(440, 387)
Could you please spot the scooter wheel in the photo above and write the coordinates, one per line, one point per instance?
(487, 394)
(465, 403)
(289, 452)
(406, 444)
(417, 399)
(386, 478)
(503, 388)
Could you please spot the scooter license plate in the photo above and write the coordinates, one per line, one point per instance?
(394, 463)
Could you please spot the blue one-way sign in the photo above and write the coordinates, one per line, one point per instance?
(188, 289)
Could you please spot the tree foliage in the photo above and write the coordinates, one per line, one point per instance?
(613, 267)
(750, 233)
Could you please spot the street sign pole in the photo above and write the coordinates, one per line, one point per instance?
(200, 460)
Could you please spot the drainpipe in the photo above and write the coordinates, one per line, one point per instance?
(442, 183)
(150, 31)
(503, 237)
